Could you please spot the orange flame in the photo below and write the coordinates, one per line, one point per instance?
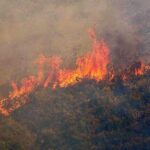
(140, 70)
(92, 65)
(53, 63)
(40, 62)
(137, 69)
(27, 86)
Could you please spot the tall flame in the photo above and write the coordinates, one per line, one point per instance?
(140, 70)
(92, 65)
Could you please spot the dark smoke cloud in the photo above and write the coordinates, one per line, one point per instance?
(58, 27)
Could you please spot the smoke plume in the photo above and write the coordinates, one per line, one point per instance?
(58, 27)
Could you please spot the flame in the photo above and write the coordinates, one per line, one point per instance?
(40, 62)
(140, 70)
(27, 86)
(53, 63)
(137, 69)
(3, 110)
(92, 65)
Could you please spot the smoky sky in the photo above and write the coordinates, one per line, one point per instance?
(59, 27)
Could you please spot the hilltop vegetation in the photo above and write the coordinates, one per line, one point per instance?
(86, 116)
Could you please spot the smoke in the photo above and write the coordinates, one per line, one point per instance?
(58, 27)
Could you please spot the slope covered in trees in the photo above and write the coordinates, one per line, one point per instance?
(86, 116)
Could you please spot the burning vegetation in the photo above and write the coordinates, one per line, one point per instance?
(63, 90)
(91, 66)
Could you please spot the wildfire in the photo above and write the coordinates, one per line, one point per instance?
(140, 70)
(92, 65)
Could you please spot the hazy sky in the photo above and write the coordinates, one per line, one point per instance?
(57, 27)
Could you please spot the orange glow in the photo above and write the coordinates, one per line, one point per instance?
(53, 63)
(140, 70)
(3, 110)
(40, 62)
(92, 65)
(27, 86)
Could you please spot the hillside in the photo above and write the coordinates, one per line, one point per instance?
(107, 115)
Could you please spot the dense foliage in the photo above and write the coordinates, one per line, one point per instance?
(87, 116)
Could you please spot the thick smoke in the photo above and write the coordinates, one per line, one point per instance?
(58, 27)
